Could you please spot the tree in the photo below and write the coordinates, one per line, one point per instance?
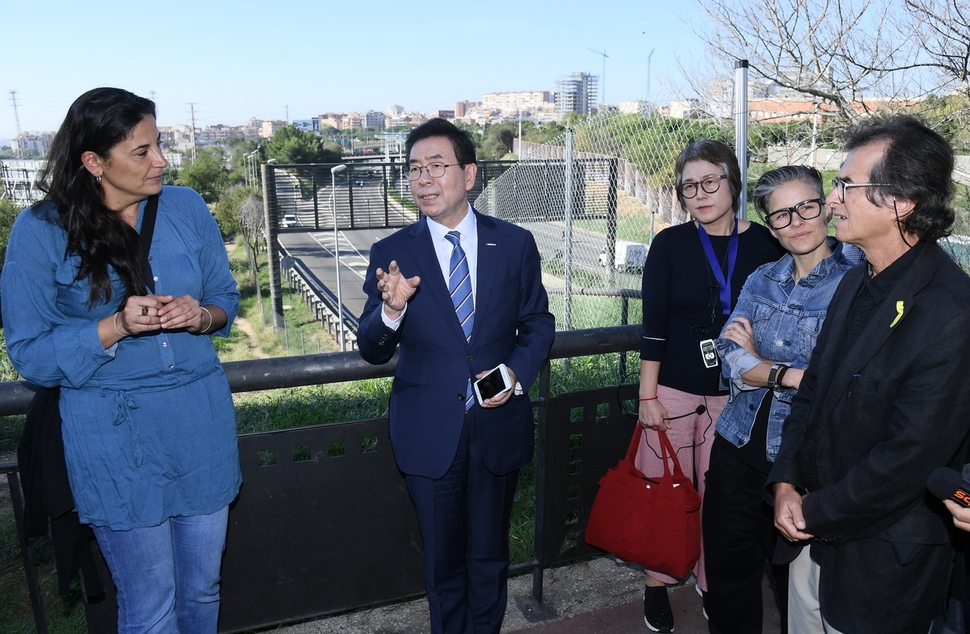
(251, 221)
(498, 140)
(839, 51)
(290, 145)
(8, 214)
(207, 174)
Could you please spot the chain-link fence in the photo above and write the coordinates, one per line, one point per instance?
(594, 198)
(594, 221)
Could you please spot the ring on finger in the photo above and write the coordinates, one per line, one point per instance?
(144, 311)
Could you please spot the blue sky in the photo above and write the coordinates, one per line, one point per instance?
(241, 59)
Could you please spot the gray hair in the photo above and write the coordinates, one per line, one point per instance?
(772, 180)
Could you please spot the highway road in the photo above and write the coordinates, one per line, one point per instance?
(368, 199)
(316, 249)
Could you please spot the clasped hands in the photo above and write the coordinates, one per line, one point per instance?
(147, 313)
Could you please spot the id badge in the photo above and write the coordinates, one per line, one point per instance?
(709, 353)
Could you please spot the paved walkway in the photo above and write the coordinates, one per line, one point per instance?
(596, 596)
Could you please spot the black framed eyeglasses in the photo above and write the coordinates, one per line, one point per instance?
(806, 210)
(840, 186)
(709, 184)
(435, 170)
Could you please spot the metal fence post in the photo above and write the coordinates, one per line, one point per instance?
(568, 234)
(741, 131)
(272, 249)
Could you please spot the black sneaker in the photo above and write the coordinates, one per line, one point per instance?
(703, 601)
(656, 609)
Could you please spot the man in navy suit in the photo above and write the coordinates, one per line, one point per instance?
(461, 458)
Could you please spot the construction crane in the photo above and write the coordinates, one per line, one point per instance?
(603, 82)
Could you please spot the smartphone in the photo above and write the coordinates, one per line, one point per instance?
(709, 353)
(492, 384)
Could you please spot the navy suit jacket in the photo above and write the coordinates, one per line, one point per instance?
(864, 434)
(512, 326)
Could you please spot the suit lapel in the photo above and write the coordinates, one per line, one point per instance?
(489, 250)
(423, 251)
(883, 323)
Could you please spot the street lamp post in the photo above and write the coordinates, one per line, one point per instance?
(648, 79)
(336, 250)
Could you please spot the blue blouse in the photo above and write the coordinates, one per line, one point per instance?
(786, 318)
(149, 424)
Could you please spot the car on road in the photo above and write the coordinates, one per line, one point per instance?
(290, 220)
(628, 256)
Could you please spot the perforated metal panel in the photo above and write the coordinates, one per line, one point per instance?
(588, 435)
(323, 524)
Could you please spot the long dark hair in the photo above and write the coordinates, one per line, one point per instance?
(96, 122)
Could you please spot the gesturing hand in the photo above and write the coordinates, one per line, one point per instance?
(395, 289)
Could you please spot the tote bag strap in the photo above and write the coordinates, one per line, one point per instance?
(667, 450)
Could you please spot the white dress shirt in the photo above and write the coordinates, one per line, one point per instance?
(468, 228)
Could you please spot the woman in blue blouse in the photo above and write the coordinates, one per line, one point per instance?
(148, 419)
(764, 349)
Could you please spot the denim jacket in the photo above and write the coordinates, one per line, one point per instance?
(785, 318)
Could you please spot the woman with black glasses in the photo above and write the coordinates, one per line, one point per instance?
(764, 350)
(691, 282)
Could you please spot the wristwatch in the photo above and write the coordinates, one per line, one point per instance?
(776, 374)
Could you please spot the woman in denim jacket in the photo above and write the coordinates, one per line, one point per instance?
(764, 349)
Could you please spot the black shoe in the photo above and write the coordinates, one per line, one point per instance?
(656, 609)
(703, 601)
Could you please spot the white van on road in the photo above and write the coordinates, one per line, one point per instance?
(628, 256)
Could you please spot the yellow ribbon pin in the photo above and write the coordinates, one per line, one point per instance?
(899, 313)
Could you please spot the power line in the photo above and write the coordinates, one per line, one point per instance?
(16, 117)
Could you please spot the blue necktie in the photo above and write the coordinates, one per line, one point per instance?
(460, 288)
(460, 285)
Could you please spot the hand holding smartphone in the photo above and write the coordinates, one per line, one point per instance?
(494, 383)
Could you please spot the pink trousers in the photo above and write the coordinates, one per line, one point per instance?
(692, 437)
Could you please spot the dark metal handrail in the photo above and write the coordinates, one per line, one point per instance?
(337, 367)
(305, 469)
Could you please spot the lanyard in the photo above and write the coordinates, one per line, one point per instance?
(725, 284)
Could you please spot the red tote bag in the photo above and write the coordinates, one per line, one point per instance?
(654, 522)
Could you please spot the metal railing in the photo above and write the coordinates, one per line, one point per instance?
(324, 524)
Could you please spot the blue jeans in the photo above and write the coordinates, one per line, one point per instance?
(167, 575)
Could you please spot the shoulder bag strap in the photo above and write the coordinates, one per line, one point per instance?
(147, 229)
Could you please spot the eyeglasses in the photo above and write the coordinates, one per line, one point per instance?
(435, 170)
(709, 184)
(840, 186)
(806, 210)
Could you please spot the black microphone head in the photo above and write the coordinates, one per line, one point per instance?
(944, 482)
(700, 409)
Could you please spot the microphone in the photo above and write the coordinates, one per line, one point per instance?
(948, 484)
(700, 410)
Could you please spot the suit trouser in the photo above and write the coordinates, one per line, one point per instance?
(739, 539)
(464, 522)
(804, 613)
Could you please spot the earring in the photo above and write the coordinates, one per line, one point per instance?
(97, 179)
